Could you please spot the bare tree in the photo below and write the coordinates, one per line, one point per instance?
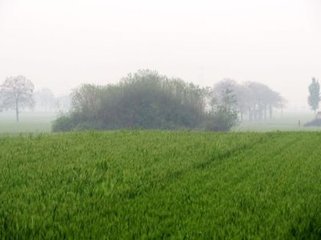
(17, 93)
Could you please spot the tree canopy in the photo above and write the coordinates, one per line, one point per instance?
(17, 93)
(314, 94)
(149, 100)
(144, 99)
(252, 99)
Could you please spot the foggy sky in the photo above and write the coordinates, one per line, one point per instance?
(63, 43)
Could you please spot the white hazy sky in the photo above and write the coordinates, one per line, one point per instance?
(63, 43)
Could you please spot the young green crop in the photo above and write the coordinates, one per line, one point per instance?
(157, 184)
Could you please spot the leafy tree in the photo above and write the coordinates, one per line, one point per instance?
(263, 100)
(224, 114)
(314, 97)
(253, 99)
(144, 99)
(17, 93)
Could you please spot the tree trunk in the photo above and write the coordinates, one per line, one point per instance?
(271, 111)
(17, 110)
(260, 113)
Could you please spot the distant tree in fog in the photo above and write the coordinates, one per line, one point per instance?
(17, 93)
(253, 99)
(45, 100)
(86, 99)
(1, 101)
(63, 103)
(223, 114)
(314, 97)
(263, 100)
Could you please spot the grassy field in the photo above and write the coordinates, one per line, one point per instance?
(161, 185)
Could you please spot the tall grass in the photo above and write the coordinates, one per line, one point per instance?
(155, 185)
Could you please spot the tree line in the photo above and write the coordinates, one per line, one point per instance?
(149, 100)
(254, 101)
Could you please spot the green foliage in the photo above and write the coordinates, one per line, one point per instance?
(314, 94)
(148, 100)
(142, 100)
(221, 121)
(63, 123)
(223, 115)
(160, 185)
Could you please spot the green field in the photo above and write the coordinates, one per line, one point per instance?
(161, 185)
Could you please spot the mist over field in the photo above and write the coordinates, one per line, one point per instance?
(63, 44)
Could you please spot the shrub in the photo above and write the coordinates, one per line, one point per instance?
(145, 100)
(63, 124)
(221, 121)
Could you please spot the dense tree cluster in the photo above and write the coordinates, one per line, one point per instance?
(253, 100)
(141, 100)
(149, 100)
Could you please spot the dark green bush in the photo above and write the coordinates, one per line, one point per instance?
(145, 100)
(63, 124)
(221, 121)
